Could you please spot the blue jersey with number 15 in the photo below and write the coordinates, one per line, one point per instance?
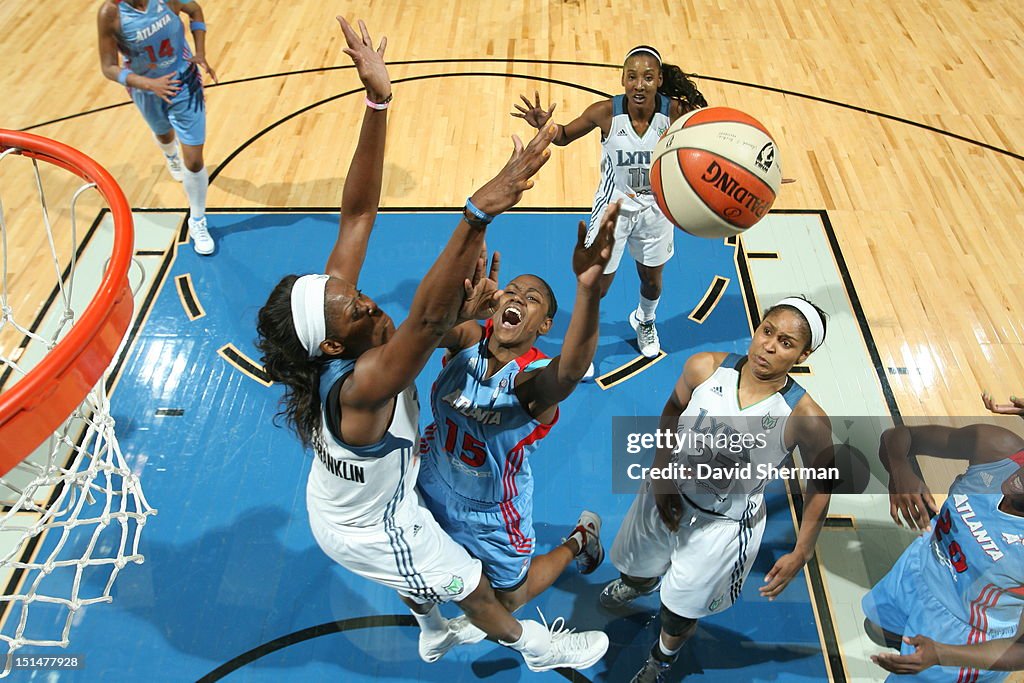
(481, 433)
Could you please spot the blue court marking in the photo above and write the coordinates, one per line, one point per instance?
(230, 561)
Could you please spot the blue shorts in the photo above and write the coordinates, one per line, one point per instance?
(186, 113)
(502, 538)
(903, 605)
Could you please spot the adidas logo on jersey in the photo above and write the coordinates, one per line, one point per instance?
(986, 478)
(621, 132)
(416, 528)
(716, 390)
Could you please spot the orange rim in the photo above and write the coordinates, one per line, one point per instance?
(43, 399)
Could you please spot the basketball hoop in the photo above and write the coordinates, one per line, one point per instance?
(73, 510)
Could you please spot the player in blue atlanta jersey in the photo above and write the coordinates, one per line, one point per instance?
(953, 603)
(655, 95)
(350, 394)
(494, 400)
(142, 46)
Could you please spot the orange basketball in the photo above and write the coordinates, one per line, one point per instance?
(715, 172)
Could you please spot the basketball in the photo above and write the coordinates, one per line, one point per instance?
(715, 172)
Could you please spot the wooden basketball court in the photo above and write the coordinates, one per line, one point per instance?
(901, 121)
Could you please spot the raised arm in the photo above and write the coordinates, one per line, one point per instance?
(813, 436)
(597, 115)
(898, 450)
(542, 390)
(384, 371)
(361, 194)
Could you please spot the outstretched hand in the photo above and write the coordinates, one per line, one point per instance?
(1015, 407)
(200, 61)
(504, 190)
(369, 61)
(588, 262)
(909, 496)
(482, 293)
(924, 656)
(534, 114)
(779, 576)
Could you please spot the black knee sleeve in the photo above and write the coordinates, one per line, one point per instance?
(675, 625)
(642, 586)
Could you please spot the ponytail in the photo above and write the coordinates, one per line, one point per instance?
(676, 84)
(287, 362)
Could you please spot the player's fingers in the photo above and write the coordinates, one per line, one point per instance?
(786, 181)
(536, 97)
(551, 110)
(930, 504)
(894, 512)
(495, 266)
(581, 234)
(529, 105)
(517, 147)
(1017, 402)
(365, 34)
(350, 35)
(383, 45)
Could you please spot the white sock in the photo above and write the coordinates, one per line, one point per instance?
(578, 535)
(195, 189)
(645, 311)
(535, 639)
(168, 148)
(665, 651)
(432, 620)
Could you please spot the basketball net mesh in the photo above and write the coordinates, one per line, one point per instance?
(74, 510)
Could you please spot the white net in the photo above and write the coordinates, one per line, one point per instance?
(72, 512)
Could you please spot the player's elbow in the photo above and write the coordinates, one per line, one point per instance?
(436, 323)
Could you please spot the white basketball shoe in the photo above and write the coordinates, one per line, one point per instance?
(201, 240)
(545, 648)
(460, 631)
(646, 336)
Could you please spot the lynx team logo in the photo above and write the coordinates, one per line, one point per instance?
(769, 422)
(765, 157)
(716, 603)
(455, 587)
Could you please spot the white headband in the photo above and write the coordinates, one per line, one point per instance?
(812, 316)
(308, 312)
(645, 49)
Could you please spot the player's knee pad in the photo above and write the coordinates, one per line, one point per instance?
(675, 625)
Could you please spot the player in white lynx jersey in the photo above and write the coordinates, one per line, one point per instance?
(699, 535)
(349, 393)
(656, 94)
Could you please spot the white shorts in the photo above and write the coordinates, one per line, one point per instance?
(704, 563)
(410, 554)
(644, 228)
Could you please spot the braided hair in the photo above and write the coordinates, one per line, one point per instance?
(287, 361)
(674, 82)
